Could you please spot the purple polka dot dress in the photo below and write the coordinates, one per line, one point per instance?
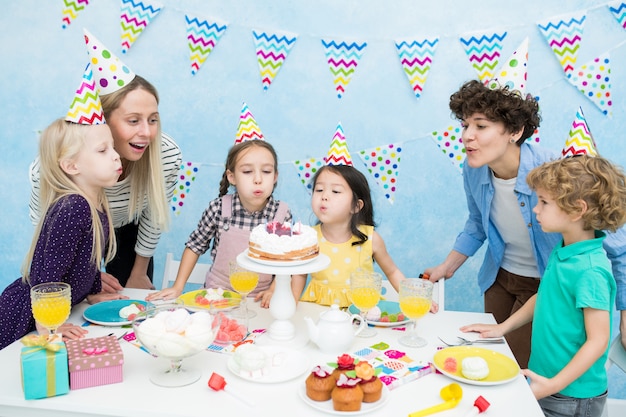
(62, 254)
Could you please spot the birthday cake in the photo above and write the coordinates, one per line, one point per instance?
(277, 241)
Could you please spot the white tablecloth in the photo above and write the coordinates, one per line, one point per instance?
(137, 396)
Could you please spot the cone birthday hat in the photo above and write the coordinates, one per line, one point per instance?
(86, 108)
(580, 141)
(513, 73)
(248, 128)
(111, 73)
(338, 153)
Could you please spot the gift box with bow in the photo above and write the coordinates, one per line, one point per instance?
(94, 361)
(44, 368)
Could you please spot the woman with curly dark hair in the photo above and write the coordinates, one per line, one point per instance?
(496, 123)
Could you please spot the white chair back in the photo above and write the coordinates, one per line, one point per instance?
(197, 276)
(617, 356)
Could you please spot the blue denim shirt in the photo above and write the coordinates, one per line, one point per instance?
(479, 193)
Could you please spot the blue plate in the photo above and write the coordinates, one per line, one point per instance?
(389, 307)
(107, 313)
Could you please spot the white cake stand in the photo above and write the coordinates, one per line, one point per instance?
(282, 304)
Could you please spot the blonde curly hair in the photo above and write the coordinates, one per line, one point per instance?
(595, 180)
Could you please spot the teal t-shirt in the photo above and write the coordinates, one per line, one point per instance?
(577, 276)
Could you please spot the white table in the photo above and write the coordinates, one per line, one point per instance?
(137, 396)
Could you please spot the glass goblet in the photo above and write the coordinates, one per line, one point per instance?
(243, 282)
(51, 303)
(415, 300)
(365, 294)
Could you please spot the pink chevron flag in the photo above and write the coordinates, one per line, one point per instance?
(186, 176)
(338, 153)
(71, 8)
(306, 169)
(564, 35)
(450, 142)
(416, 58)
(483, 51)
(248, 129)
(342, 58)
(593, 79)
(618, 10)
(135, 16)
(86, 108)
(580, 141)
(383, 163)
(202, 37)
(272, 50)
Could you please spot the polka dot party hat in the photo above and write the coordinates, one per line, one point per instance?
(248, 129)
(338, 153)
(513, 74)
(111, 73)
(580, 141)
(86, 108)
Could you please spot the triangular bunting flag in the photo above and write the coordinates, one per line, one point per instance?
(618, 9)
(451, 144)
(135, 15)
(202, 36)
(71, 9)
(514, 72)
(564, 35)
(248, 129)
(594, 80)
(338, 153)
(306, 169)
(271, 52)
(383, 163)
(580, 141)
(483, 51)
(186, 176)
(342, 59)
(86, 108)
(416, 59)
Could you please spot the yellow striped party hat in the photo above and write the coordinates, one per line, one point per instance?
(86, 108)
(338, 153)
(248, 128)
(580, 141)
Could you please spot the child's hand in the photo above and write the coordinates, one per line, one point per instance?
(105, 296)
(485, 330)
(540, 386)
(264, 297)
(71, 331)
(110, 283)
(166, 294)
(434, 307)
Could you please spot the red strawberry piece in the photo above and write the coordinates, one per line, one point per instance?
(131, 317)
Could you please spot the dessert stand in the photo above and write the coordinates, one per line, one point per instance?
(282, 305)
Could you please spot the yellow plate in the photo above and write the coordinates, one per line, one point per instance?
(230, 299)
(502, 369)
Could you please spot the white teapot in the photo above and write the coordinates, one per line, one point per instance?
(334, 331)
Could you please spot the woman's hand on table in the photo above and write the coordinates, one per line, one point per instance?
(166, 294)
(110, 284)
(140, 281)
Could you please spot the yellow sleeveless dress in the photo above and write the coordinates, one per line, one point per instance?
(331, 285)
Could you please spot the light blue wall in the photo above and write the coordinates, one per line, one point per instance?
(41, 65)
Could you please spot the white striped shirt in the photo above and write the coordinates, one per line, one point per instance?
(119, 195)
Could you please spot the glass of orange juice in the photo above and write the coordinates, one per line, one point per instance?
(365, 294)
(51, 304)
(244, 282)
(415, 300)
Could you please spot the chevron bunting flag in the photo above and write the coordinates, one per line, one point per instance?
(564, 36)
(618, 10)
(271, 52)
(202, 36)
(342, 59)
(135, 15)
(86, 108)
(383, 162)
(594, 80)
(71, 9)
(248, 129)
(306, 169)
(186, 176)
(580, 141)
(338, 153)
(483, 51)
(416, 58)
(451, 144)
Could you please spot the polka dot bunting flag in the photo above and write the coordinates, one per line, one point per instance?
(594, 81)
(186, 176)
(306, 169)
(383, 162)
(451, 144)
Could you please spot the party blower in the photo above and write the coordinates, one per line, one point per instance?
(451, 396)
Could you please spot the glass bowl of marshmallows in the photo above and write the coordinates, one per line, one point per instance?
(175, 332)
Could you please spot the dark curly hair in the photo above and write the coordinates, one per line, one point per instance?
(499, 105)
(595, 180)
